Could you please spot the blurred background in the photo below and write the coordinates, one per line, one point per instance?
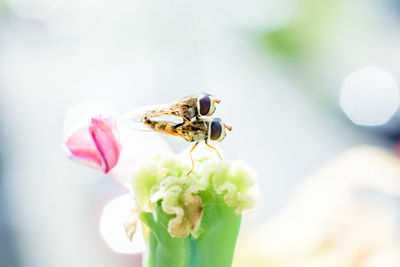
(301, 82)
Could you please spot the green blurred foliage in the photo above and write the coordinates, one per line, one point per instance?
(298, 37)
(296, 46)
(3, 5)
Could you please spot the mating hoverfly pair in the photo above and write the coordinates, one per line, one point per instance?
(196, 125)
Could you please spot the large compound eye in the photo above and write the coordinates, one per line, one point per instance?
(216, 129)
(204, 104)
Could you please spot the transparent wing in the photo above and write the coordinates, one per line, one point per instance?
(137, 113)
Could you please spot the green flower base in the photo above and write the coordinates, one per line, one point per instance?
(214, 247)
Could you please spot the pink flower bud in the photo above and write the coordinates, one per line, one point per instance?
(96, 143)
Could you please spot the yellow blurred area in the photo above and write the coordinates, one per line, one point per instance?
(328, 222)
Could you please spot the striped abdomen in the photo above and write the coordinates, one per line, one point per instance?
(166, 127)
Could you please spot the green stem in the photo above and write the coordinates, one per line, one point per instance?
(163, 250)
(213, 248)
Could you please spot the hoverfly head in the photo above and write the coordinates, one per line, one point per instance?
(206, 104)
(217, 130)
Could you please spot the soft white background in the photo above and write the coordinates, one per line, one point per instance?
(55, 54)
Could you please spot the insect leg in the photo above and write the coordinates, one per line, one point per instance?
(191, 157)
(214, 149)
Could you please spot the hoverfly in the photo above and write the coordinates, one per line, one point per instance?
(188, 108)
(201, 129)
(192, 127)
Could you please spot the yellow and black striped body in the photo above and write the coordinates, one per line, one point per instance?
(185, 107)
(192, 132)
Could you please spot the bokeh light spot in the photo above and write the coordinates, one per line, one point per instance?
(112, 227)
(369, 96)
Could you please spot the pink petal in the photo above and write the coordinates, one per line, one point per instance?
(80, 146)
(95, 144)
(105, 138)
